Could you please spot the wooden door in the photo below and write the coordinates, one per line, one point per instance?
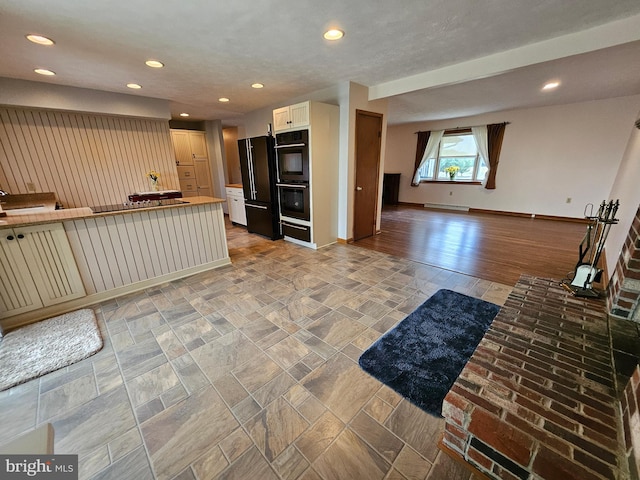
(368, 141)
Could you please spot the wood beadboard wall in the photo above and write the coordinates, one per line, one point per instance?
(121, 250)
(85, 159)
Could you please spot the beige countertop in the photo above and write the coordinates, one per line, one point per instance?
(11, 221)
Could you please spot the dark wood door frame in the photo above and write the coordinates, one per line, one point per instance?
(368, 146)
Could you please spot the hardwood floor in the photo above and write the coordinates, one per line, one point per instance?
(493, 247)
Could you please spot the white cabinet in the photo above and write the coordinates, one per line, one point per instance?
(235, 202)
(322, 227)
(291, 117)
(37, 269)
(192, 162)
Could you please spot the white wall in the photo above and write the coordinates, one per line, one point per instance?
(626, 188)
(549, 154)
(28, 94)
(215, 144)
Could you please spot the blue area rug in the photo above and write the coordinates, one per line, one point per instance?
(421, 357)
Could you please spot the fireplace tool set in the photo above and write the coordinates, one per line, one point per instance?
(587, 271)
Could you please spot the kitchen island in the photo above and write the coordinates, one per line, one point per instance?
(57, 261)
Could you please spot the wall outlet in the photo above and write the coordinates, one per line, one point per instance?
(31, 187)
(450, 193)
(568, 199)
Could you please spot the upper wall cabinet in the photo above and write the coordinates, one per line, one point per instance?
(291, 117)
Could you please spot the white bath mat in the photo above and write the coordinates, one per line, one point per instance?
(42, 347)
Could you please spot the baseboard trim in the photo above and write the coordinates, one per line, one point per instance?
(530, 215)
(435, 206)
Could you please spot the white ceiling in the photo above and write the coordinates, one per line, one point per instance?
(414, 52)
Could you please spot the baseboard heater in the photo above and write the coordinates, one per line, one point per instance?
(459, 208)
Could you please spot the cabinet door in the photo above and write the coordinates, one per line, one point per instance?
(242, 213)
(53, 269)
(235, 202)
(281, 119)
(17, 288)
(182, 147)
(299, 115)
(203, 176)
(198, 144)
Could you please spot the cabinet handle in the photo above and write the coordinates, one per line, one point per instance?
(294, 226)
(9, 237)
(20, 236)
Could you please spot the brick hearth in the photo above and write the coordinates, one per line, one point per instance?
(538, 399)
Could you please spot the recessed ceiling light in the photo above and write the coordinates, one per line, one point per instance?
(134, 85)
(223, 99)
(551, 85)
(44, 71)
(154, 64)
(39, 39)
(333, 34)
(257, 85)
(184, 114)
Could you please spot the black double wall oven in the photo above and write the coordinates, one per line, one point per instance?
(292, 160)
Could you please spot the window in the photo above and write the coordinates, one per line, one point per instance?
(457, 148)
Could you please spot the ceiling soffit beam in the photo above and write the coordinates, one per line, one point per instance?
(596, 38)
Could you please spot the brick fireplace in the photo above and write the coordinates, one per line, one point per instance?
(538, 399)
(623, 293)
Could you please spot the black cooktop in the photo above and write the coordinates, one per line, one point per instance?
(135, 205)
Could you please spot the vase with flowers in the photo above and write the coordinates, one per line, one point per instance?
(452, 170)
(153, 178)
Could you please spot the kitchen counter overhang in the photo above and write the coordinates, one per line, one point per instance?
(52, 216)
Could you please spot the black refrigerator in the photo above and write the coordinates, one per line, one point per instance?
(258, 166)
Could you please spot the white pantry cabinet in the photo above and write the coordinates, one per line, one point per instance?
(37, 269)
(291, 117)
(235, 202)
(192, 162)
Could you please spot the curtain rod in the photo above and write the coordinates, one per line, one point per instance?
(462, 128)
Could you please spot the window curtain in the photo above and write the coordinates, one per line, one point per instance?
(495, 134)
(480, 136)
(430, 149)
(423, 138)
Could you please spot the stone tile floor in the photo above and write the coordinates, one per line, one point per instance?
(249, 371)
